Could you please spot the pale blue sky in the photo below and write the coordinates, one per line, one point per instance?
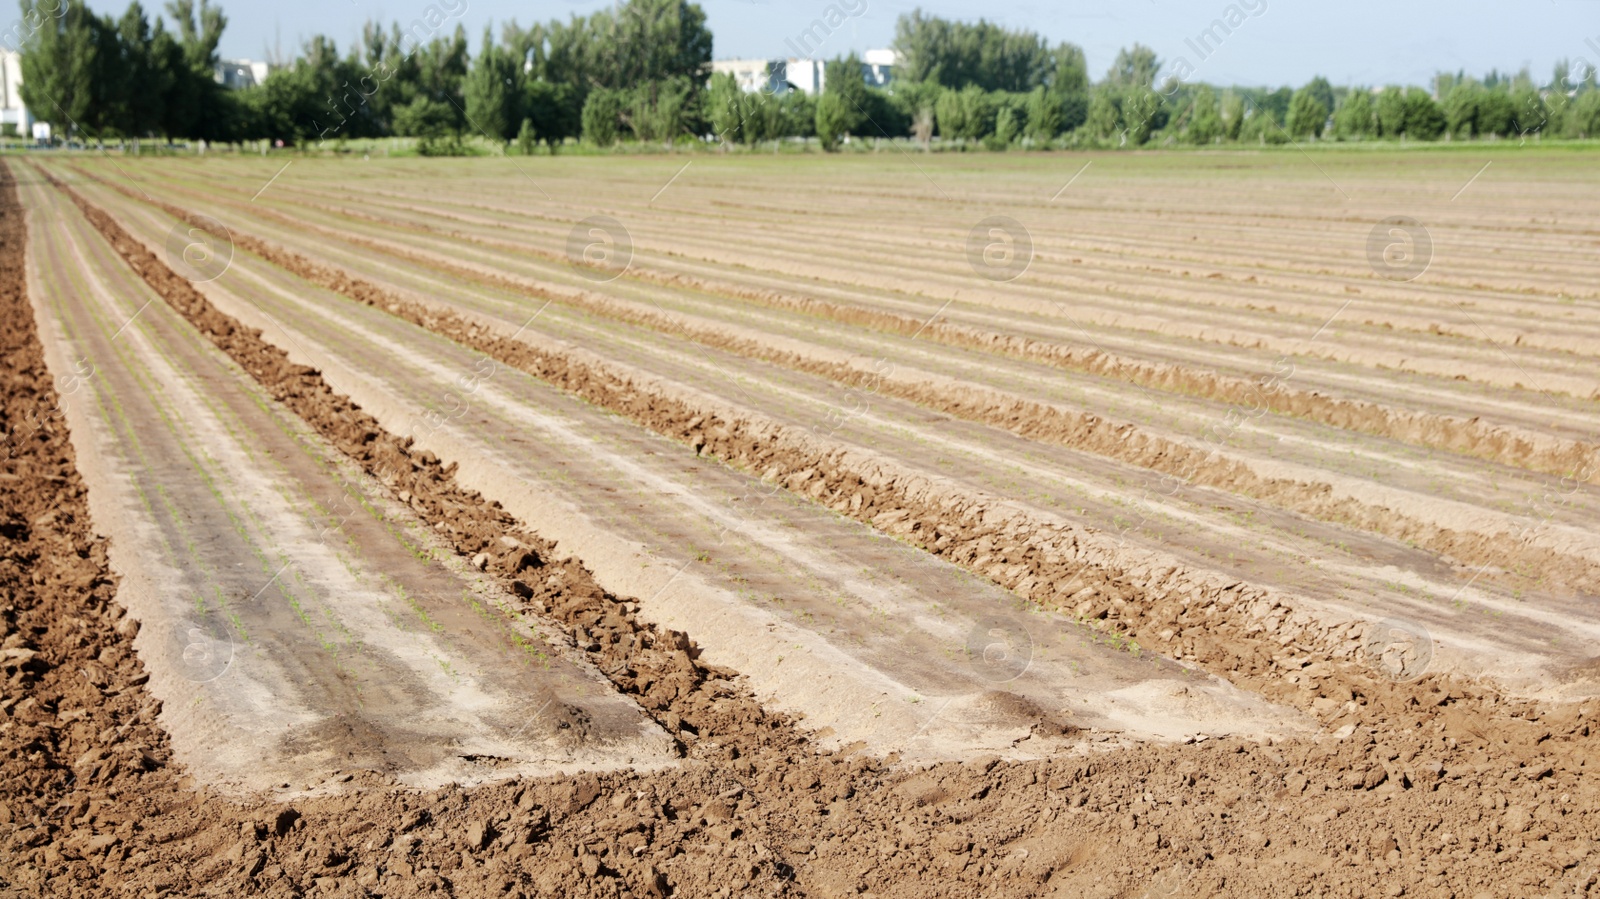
(1289, 41)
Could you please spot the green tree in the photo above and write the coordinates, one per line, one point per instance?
(329, 97)
(58, 60)
(846, 112)
(1495, 110)
(956, 54)
(1355, 119)
(431, 120)
(883, 117)
(1583, 119)
(638, 43)
(1558, 110)
(1391, 111)
(1424, 119)
(1322, 91)
(493, 96)
(1461, 105)
(1070, 85)
(1205, 121)
(299, 103)
(834, 119)
(967, 114)
(1044, 114)
(1307, 114)
(843, 77)
(662, 110)
(725, 108)
(1008, 125)
(1233, 115)
(198, 106)
(108, 81)
(1135, 66)
(1074, 110)
(148, 79)
(1071, 75)
(1529, 112)
(1104, 118)
(1276, 103)
(420, 90)
(1129, 113)
(1560, 75)
(763, 118)
(797, 111)
(1142, 113)
(554, 109)
(916, 101)
(950, 115)
(602, 116)
(1262, 127)
(380, 59)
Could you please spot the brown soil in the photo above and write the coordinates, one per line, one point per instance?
(1474, 437)
(1500, 541)
(1210, 466)
(1506, 444)
(1438, 788)
(1242, 631)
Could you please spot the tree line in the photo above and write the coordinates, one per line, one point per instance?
(641, 71)
(105, 76)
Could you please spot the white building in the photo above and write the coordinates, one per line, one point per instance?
(877, 66)
(12, 110)
(235, 74)
(779, 76)
(806, 75)
(754, 74)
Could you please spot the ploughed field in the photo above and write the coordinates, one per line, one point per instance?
(1118, 525)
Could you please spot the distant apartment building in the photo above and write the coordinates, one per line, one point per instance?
(779, 76)
(237, 74)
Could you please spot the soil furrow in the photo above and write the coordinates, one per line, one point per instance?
(472, 524)
(897, 257)
(1502, 543)
(1142, 595)
(1488, 539)
(1475, 437)
(695, 702)
(307, 585)
(826, 618)
(1495, 540)
(1259, 325)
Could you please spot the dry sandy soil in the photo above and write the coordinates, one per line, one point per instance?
(798, 527)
